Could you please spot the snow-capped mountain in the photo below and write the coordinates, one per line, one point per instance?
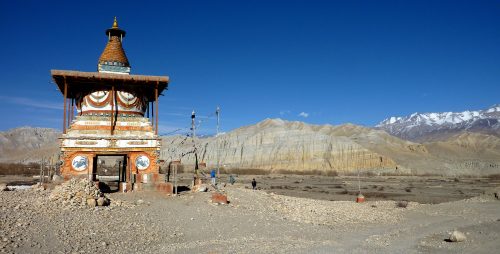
(431, 126)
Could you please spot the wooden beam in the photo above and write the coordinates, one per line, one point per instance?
(112, 107)
(152, 113)
(72, 111)
(156, 113)
(65, 102)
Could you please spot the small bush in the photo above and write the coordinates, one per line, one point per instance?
(402, 204)
(408, 189)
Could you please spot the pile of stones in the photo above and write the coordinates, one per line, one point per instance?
(78, 193)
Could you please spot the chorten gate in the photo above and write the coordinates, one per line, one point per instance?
(110, 113)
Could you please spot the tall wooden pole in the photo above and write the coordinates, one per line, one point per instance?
(112, 108)
(217, 112)
(156, 113)
(65, 102)
(152, 113)
(72, 113)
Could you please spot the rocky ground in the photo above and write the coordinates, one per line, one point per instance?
(33, 221)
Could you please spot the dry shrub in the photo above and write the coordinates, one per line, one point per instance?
(402, 203)
(408, 189)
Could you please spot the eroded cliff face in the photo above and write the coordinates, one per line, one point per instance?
(279, 146)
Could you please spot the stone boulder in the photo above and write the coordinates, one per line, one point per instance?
(457, 236)
(102, 201)
(91, 202)
(219, 198)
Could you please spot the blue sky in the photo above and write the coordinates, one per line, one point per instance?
(322, 62)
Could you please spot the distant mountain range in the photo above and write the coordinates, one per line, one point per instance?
(439, 126)
(276, 145)
(430, 143)
(28, 144)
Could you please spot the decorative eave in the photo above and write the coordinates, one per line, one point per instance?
(86, 82)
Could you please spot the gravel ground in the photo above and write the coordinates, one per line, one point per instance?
(254, 222)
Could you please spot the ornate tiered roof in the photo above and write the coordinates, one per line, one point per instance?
(113, 58)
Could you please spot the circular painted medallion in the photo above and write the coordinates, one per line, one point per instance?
(142, 162)
(80, 163)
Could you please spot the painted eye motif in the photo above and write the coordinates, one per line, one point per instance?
(80, 163)
(142, 162)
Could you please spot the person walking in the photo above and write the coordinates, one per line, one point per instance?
(254, 184)
(212, 175)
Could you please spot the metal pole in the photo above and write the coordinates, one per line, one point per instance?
(193, 135)
(193, 124)
(217, 112)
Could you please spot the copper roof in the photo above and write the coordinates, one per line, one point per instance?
(87, 82)
(113, 52)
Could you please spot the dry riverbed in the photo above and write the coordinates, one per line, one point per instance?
(261, 221)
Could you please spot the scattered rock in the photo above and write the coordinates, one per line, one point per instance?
(76, 193)
(457, 236)
(202, 188)
(219, 198)
(91, 202)
(57, 178)
(102, 201)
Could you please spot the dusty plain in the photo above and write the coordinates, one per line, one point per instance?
(287, 214)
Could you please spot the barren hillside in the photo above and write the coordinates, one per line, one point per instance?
(275, 145)
(280, 146)
(28, 144)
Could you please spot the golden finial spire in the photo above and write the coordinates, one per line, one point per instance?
(115, 23)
